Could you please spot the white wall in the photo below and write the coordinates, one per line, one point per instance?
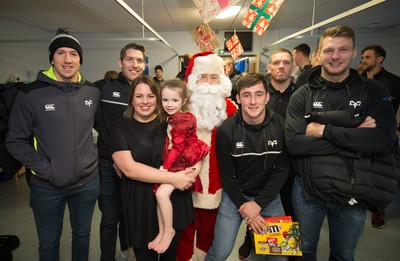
(23, 49)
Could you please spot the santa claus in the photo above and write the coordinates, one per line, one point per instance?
(209, 89)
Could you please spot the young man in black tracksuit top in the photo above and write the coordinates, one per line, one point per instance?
(252, 159)
(114, 101)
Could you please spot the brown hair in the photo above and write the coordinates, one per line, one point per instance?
(177, 85)
(338, 31)
(250, 80)
(133, 46)
(282, 50)
(145, 79)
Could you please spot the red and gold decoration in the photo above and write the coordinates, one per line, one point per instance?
(205, 38)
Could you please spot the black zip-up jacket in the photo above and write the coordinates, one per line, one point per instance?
(50, 131)
(252, 159)
(331, 166)
(114, 101)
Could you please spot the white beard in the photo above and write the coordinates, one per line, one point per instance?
(207, 102)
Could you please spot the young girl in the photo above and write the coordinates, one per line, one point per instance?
(182, 149)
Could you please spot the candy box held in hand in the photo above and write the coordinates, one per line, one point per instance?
(283, 239)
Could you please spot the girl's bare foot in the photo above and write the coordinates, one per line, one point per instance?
(154, 243)
(165, 241)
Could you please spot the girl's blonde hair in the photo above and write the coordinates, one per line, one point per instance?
(176, 85)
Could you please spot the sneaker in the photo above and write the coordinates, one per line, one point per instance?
(378, 220)
(245, 248)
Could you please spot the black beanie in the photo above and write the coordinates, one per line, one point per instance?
(63, 39)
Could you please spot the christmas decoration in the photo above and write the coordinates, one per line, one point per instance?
(260, 14)
(209, 9)
(205, 38)
(234, 46)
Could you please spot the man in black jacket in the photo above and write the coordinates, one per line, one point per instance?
(252, 159)
(337, 161)
(114, 101)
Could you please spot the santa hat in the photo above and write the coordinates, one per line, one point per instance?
(205, 63)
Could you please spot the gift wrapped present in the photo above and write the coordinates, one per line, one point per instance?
(205, 38)
(234, 46)
(209, 9)
(260, 14)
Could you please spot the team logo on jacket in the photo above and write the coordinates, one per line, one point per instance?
(116, 94)
(88, 103)
(49, 107)
(239, 145)
(355, 104)
(317, 105)
(272, 143)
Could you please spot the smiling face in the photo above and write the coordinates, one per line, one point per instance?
(144, 103)
(172, 101)
(132, 65)
(66, 62)
(253, 100)
(336, 54)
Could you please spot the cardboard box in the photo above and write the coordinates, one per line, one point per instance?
(283, 238)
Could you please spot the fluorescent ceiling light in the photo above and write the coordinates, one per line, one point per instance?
(228, 12)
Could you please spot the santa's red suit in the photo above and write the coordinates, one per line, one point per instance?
(207, 193)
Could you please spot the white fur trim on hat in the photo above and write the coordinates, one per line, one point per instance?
(210, 64)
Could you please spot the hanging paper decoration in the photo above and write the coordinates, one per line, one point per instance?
(234, 46)
(205, 38)
(260, 14)
(209, 9)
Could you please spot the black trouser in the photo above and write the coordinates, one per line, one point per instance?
(110, 207)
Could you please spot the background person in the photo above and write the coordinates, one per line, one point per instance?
(301, 58)
(233, 74)
(159, 72)
(373, 57)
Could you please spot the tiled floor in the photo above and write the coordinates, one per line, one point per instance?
(16, 218)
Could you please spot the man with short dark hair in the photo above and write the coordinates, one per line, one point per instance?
(301, 54)
(373, 57)
(280, 90)
(114, 101)
(158, 70)
(253, 163)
